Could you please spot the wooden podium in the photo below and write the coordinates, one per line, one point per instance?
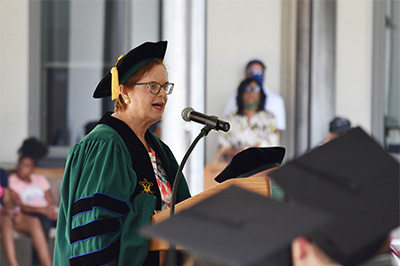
(261, 185)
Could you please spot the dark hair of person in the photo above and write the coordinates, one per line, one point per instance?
(256, 62)
(239, 97)
(134, 78)
(377, 247)
(33, 148)
(281, 258)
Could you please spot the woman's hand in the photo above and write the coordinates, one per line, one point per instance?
(16, 215)
(50, 212)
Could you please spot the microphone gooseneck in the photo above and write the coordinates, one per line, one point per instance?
(210, 122)
(171, 259)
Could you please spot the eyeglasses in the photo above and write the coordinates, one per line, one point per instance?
(155, 87)
(256, 72)
(254, 88)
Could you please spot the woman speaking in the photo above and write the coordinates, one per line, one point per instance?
(120, 174)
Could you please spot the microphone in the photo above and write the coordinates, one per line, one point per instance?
(189, 114)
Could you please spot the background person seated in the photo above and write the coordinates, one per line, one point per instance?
(30, 192)
(11, 218)
(274, 103)
(251, 124)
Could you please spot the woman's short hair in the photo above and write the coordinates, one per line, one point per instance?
(134, 78)
(239, 97)
(255, 61)
(34, 149)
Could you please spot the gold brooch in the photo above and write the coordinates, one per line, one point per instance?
(146, 186)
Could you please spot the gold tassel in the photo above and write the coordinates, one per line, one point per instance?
(115, 81)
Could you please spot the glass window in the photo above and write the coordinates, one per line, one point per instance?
(81, 41)
(55, 40)
(392, 92)
(71, 66)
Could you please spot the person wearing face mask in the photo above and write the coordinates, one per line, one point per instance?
(119, 174)
(251, 125)
(274, 102)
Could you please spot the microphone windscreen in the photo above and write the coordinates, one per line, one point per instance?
(186, 113)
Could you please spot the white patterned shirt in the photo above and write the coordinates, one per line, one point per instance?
(259, 131)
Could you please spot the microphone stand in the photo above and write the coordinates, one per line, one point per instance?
(171, 256)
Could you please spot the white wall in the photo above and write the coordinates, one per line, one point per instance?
(141, 10)
(237, 32)
(240, 30)
(354, 61)
(14, 84)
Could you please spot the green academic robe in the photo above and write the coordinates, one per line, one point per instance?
(108, 192)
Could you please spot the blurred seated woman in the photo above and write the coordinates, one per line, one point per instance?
(251, 125)
(11, 218)
(30, 192)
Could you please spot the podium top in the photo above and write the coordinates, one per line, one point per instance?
(260, 185)
(238, 227)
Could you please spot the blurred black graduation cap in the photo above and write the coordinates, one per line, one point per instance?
(251, 161)
(239, 227)
(128, 64)
(355, 180)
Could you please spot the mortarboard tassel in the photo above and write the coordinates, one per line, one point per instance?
(115, 81)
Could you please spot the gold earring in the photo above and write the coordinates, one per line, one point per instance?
(127, 101)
